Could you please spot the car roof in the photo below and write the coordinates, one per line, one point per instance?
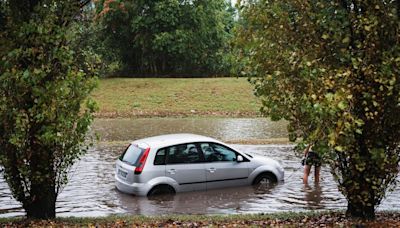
(173, 139)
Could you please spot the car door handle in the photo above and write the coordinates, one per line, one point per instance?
(211, 170)
(171, 171)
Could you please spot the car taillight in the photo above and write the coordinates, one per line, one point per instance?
(142, 161)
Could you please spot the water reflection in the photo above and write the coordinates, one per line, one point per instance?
(313, 196)
(227, 201)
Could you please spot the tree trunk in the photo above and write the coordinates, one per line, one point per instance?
(357, 210)
(43, 205)
(42, 194)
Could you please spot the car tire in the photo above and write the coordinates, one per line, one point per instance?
(161, 190)
(264, 181)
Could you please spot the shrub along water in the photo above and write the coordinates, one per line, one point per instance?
(331, 68)
(44, 82)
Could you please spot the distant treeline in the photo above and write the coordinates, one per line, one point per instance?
(162, 38)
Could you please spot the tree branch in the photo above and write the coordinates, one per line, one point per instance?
(83, 3)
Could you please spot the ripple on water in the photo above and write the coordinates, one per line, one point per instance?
(91, 191)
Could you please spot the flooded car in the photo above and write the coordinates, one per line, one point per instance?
(172, 163)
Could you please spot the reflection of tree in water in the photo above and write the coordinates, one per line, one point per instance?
(313, 196)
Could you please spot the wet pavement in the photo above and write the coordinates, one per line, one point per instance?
(91, 191)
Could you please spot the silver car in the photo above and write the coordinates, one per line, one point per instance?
(187, 162)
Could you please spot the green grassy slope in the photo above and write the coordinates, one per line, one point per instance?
(122, 97)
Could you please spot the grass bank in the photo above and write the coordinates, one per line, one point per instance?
(150, 97)
(289, 219)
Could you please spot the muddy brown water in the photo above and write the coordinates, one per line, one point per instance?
(91, 191)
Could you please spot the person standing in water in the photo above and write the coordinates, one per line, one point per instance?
(311, 159)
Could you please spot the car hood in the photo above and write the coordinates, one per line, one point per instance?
(263, 160)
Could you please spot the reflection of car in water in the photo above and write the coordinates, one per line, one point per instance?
(216, 201)
(188, 162)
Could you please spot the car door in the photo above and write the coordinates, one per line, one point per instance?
(185, 164)
(222, 169)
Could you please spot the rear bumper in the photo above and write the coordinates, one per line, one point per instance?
(139, 189)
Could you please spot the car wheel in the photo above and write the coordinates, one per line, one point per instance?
(161, 190)
(264, 181)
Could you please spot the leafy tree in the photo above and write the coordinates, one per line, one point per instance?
(331, 68)
(44, 79)
(166, 37)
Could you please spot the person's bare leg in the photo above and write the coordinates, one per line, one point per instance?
(316, 174)
(307, 169)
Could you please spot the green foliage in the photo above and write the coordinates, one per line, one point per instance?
(331, 68)
(44, 80)
(171, 37)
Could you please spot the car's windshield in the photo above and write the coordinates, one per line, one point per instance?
(132, 154)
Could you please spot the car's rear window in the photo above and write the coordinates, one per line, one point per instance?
(132, 154)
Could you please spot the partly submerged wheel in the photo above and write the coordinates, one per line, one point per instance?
(264, 182)
(161, 190)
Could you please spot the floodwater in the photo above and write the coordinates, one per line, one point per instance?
(226, 129)
(91, 190)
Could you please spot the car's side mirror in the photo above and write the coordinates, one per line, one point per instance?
(239, 158)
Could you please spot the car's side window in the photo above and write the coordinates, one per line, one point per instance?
(184, 153)
(208, 151)
(160, 157)
(215, 152)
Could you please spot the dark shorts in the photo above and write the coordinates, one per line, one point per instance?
(313, 159)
